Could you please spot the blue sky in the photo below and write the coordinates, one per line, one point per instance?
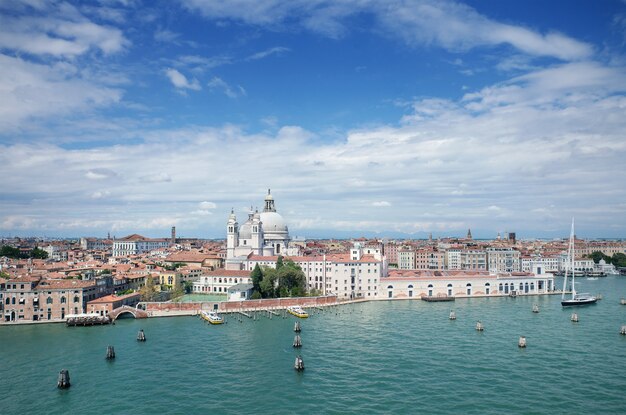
(389, 118)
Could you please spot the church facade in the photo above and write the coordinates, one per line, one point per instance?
(262, 234)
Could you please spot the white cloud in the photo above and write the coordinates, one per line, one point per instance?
(100, 194)
(180, 81)
(164, 35)
(61, 31)
(382, 203)
(448, 24)
(217, 83)
(278, 50)
(99, 174)
(207, 205)
(37, 90)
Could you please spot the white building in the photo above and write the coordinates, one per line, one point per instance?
(136, 244)
(418, 283)
(219, 281)
(262, 234)
(503, 260)
(349, 275)
(549, 264)
(453, 258)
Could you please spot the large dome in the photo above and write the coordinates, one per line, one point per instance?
(273, 223)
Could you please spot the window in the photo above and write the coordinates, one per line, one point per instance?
(76, 299)
(63, 300)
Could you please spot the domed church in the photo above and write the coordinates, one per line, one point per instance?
(264, 234)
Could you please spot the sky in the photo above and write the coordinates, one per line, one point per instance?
(394, 118)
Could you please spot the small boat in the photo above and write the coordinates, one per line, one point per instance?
(577, 299)
(592, 278)
(212, 317)
(297, 311)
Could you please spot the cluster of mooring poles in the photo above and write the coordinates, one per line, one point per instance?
(63, 381)
(297, 343)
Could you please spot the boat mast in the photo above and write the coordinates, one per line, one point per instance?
(570, 263)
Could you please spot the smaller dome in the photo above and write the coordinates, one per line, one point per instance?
(245, 231)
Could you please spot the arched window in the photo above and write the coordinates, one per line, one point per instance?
(430, 290)
(469, 288)
(450, 290)
(390, 288)
(8, 301)
(487, 288)
(63, 300)
(76, 299)
(49, 300)
(500, 287)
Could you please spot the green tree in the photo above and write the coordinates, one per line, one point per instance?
(4, 275)
(597, 256)
(38, 253)
(9, 251)
(256, 295)
(279, 262)
(188, 286)
(256, 276)
(268, 283)
(619, 260)
(148, 291)
(291, 280)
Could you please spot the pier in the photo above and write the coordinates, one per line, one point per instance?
(74, 320)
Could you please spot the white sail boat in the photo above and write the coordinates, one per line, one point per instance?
(577, 299)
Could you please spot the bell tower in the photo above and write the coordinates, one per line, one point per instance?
(232, 235)
(269, 202)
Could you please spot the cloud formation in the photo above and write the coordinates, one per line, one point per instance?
(180, 81)
(500, 158)
(448, 24)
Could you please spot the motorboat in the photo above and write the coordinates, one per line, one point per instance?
(297, 311)
(212, 317)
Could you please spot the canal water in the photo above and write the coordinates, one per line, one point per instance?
(400, 357)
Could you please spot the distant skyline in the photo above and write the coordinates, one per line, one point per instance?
(379, 118)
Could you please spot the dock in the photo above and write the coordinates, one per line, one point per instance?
(86, 320)
(436, 299)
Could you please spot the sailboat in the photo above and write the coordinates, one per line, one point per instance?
(577, 299)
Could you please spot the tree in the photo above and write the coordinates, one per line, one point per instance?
(148, 291)
(10, 252)
(38, 254)
(597, 256)
(291, 280)
(279, 262)
(177, 292)
(256, 276)
(619, 260)
(188, 286)
(268, 283)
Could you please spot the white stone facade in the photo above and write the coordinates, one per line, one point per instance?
(264, 234)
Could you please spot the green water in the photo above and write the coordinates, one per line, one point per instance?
(400, 357)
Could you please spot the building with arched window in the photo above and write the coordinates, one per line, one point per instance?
(457, 283)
